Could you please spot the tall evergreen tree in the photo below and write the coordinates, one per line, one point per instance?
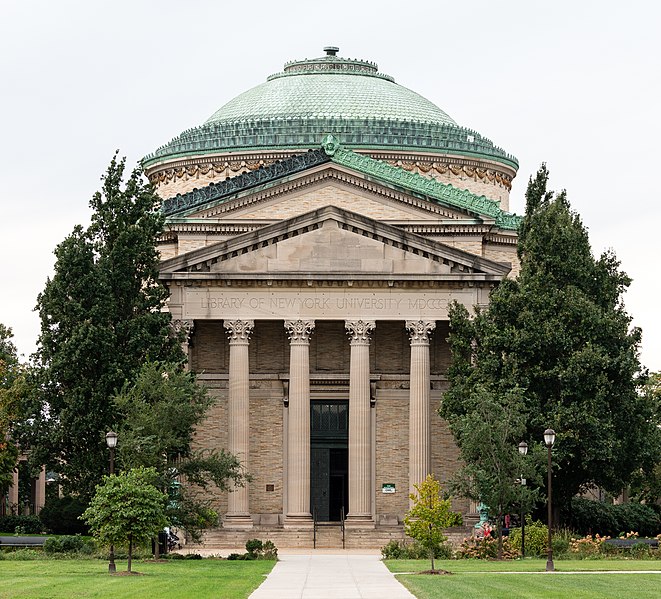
(101, 319)
(560, 333)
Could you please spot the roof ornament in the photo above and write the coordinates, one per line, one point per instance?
(330, 144)
(331, 50)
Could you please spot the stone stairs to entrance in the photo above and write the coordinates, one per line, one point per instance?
(328, 537)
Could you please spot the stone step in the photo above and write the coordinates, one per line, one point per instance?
(328, 537)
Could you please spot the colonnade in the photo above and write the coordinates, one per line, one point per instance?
(297, 510)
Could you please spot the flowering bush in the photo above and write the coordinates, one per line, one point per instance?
(588, 546)
(485, 548)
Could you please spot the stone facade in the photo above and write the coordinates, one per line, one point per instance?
(316, 289)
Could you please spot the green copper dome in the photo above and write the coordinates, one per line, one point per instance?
(349, 98)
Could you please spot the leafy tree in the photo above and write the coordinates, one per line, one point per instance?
(12, 386)
(159, 413)
(646, 485)
(561, 335)
(429, 516)
(127, 508)
(488, 434)
(101, 319)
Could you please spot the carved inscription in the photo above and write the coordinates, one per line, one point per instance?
(340, 304)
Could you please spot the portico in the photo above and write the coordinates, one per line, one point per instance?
(361, 343)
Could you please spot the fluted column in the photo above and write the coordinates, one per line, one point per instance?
(419, 424)
(298, 440)
(184, 331)
(239, 331)
(360, 437)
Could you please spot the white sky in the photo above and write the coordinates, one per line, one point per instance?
(573, 83)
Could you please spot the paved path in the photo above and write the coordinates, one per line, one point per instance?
(327, 576)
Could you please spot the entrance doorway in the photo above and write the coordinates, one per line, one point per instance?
(329, 463)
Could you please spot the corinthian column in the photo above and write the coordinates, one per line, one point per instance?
(419, 426)
(184, 330)
(360, 437)
(239, 331)
(298, 440)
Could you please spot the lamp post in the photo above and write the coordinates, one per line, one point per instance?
(523, 450)
(111, 442)
(549, 440)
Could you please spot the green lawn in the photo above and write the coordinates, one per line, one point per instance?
(476, 579)
(55, 579)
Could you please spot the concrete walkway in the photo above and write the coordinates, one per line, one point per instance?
(330, 576)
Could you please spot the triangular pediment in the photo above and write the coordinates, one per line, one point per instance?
(331, 243)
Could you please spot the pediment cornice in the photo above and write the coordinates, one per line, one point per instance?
(201, 263)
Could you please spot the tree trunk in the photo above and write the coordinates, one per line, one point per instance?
(157, 549)
(130, 552)
(431, 555)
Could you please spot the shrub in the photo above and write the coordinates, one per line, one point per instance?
(30, 525)
(485, 548)
(234, 556)
(269, 550)
(537, 534)
(595, 517)
(60, 516)
(69, 544)
(257, 549)
(407, 550)
(192, 556)
(254, 546)
(25, 554)
(636, 516)
(588, 546)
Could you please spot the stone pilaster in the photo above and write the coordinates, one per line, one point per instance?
(239, 331)
(419, 424)
(13, 493)
(298, 439)
(40, 491)
(360, 433)
(184, 330)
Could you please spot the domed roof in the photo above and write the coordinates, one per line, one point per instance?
(331, 88)
(349, 98)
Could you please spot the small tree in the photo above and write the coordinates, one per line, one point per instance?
(127, 508)
(160, 412)
(429, 516)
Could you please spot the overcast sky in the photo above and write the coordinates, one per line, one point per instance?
(576, 84)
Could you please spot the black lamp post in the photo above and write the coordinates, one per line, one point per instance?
(523, 450)
(111, 442)
(549, 440)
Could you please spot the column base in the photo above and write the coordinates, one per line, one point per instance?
(359, 521)
(294, 521)
(238, 522)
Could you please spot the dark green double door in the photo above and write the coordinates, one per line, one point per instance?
(329, 463)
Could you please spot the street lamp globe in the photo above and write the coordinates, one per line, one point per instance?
(523, 448)
(549, 437)
(111, 439)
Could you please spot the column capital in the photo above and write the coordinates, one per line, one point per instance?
(299, 331)
(359, 331)
(239, 331)
(419, 331)
(184, 328)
